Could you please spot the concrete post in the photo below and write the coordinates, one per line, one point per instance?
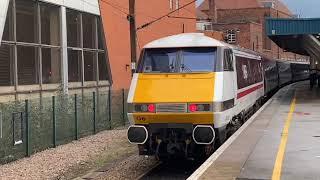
(64, 50)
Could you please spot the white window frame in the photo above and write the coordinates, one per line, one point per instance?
(171, 4)
(231, 36)
(177, 4)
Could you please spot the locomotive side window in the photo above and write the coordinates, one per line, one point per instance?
(228, 60)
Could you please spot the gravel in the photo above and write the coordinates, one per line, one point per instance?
(56, 163)
(131, 168)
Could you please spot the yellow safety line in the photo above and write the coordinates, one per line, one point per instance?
(276, 175)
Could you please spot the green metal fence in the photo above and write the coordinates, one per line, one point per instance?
(33, 125)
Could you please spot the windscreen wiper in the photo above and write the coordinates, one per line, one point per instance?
(185, 68)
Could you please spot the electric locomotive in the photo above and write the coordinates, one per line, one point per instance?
(191, 92)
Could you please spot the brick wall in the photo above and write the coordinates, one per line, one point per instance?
(256, 15)
(242, 37)
(249, 35)
(116, 29)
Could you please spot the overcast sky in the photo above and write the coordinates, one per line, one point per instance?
(304, 8)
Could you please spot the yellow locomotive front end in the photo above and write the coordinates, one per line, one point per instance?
(171, 102)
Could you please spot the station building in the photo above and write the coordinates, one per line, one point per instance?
(243, 23)
(73, 46)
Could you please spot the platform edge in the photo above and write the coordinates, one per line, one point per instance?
(199, 172)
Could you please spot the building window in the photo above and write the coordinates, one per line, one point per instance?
(8, 28)
(177, 4)
(74, 65)
(51, 65)
(89, 31)
(171, 4)
(208, 27)
(73, 28)
(269, 4)
(90, 66)
(50, 24)
(6, 63)
(102, 65)
(36, 43)
(27, 65)
(100, 35)
(231, 36)
(26, 14)
(85, 47)
(32, 54)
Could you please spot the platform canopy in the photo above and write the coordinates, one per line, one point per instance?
(294, 34)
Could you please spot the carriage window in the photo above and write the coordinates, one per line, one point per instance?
(249, 71)
(228, 60)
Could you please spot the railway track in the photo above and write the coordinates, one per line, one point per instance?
(174, 169)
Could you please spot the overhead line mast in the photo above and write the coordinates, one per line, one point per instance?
(133, 35)
(134, 29)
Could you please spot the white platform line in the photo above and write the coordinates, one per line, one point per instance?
(198, 173)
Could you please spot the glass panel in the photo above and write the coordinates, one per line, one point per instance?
(89, 31)
(100, 34)
(103, 73)
(190, 60)
(198, 60)
(6, 61)
(159, 60)
(8, 28)
(27, 65)
(228, 60)
(74, 66)
(73, 28)
(89, 66)
(51, 65)
(26, 21)
(50, 24)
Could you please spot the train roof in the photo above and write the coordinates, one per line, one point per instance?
(197, 40)
(186, 40)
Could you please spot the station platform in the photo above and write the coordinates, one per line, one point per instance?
(282, 141)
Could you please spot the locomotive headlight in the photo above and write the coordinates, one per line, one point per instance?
(199, 108)
(142, 108)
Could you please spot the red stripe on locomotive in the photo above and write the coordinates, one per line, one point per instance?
(249, 91)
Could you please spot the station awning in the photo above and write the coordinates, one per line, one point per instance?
(298, 35)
